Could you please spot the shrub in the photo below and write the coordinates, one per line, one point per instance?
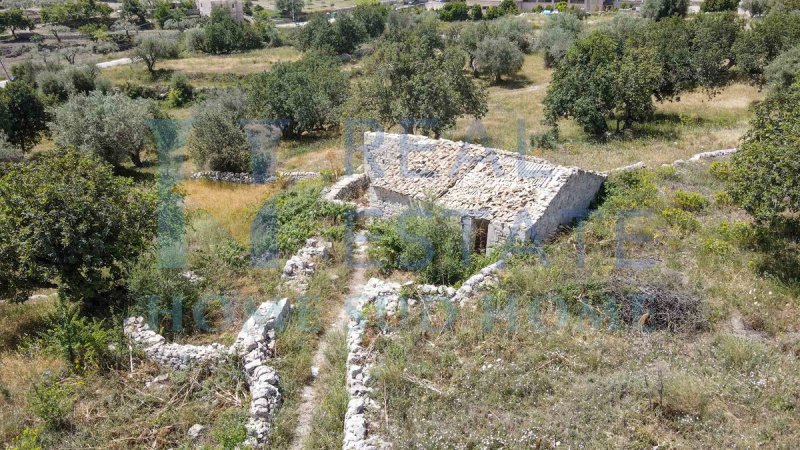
(83, 344)
(681, 220)
(285, 222)
(194, 39)
(181, 92)
(630, 190)
(424, 240)
(739, 354)
(547, 140)
(689, 201)
(230, 432)
(723, 199)
(684, 395)
(218, 141)
(52, 402)
(716, 247)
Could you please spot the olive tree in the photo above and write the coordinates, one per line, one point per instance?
(153, 48)
(764, 41)
(498, 56)
(218, 140)
(558, 34)
(784, 71)
(83, 227)
(115, 127)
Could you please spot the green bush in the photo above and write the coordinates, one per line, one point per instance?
(424, 240)
(180, 92)
(630, 190)
(681, 220)
(289, 218)
(719, 5)
(230, 432)
(689, 201)
(82, 343)
(52, 402)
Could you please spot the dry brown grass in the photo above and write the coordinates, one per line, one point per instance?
(18, 372)
(234, 206)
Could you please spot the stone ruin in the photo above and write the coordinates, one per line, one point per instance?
(498, 195)
(299, 268)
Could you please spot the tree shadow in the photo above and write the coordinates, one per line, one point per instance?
(780, 253)
(142, 174)
(510, 84)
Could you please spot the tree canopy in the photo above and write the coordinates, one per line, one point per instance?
(65, 218)
(659, 9)
(498, 56)
(22, 115)
(413, 81)
(301, 96)
(764, 41)
(113, 127)
(765, 175)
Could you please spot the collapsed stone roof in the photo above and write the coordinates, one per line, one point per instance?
(486, 183)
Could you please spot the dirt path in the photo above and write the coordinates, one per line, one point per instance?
(310, 394)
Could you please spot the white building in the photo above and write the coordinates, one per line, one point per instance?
(233, 6)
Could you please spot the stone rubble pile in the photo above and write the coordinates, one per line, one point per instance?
(298, 269)
(255, 345)
(176, 356)
(247, 178)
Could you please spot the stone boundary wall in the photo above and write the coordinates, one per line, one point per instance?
(247, 178)
(714, 154)
(298, 269)
(348, 188)
(176, 356)
(255, 345)
(386, 296)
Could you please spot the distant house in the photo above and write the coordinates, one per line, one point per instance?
(233, 6)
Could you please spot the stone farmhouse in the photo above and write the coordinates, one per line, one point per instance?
(233, 6)
(498, 195)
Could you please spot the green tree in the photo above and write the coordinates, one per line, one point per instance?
(265, 27)
(454, 11)
(498, 56)
(372, 17)
(765, 171)
(153, 48)
(218, 141)
(342, 36)
(290, 8)
(83, 227)
(15, 19)
(508, 7)
(25, 114)
(133, 11)
(114, 127)
(557, 36)
(599, 80)
(223, 34)
(302, 96)
(719, 5)
(764, 41)
(784, 71)
(756, 7)
(659, 9)
(413, 82)
(475, 12)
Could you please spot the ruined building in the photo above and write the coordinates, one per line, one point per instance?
(498, 195)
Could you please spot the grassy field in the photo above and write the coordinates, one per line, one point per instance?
(559, 355)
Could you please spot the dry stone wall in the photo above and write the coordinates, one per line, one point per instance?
(247, 178)
(298, 269)
(386, 298)
(175, 356)
(348, 188)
